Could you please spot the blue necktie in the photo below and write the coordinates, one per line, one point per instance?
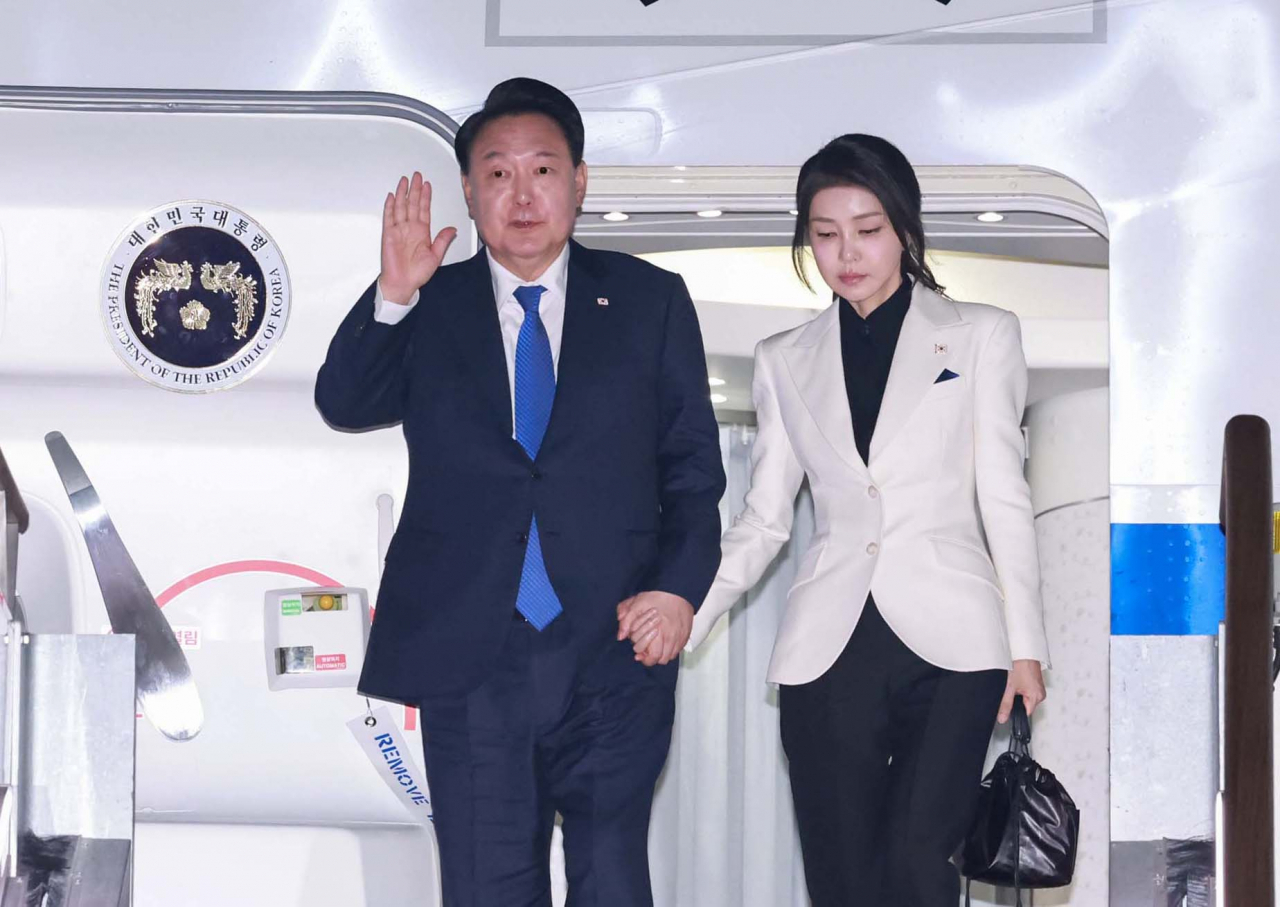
(535, 392)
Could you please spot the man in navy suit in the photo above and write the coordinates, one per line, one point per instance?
(564, 479)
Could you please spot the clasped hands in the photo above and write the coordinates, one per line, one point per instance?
(658, 625)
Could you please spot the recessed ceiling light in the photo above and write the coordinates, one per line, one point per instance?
(990, 217)
(617, 215)
(794, 212)
(719, 398)
(681, 167)
(716, 382)
(711, 212)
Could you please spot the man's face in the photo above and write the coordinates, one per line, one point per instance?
(523, 191)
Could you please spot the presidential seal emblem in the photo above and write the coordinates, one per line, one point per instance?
(195, 296)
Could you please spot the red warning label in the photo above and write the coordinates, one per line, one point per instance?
(331, 662)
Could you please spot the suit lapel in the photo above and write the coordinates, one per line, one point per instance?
(817, 370)
(581, 292)
(924, 350)
(474, 322)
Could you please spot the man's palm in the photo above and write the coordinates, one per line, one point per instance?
(409, 255)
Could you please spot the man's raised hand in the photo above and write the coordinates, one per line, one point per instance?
(409, 255)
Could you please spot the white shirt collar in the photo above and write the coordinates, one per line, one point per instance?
(555, 278)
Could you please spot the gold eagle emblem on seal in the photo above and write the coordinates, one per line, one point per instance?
(166, 276)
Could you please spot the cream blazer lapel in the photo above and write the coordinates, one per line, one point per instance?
(926, 345)
(816, 367)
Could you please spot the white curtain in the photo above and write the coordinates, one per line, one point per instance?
(723, 832)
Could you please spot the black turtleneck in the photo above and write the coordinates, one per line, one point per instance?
(867, 345)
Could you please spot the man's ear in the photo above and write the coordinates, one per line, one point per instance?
(580, 182)
(466, 192)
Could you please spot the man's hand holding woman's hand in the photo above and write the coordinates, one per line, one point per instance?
(658, 625)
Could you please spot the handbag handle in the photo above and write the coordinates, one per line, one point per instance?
(1020, 743)
(1020, 725)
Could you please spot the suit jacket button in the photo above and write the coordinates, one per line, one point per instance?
(873, 549)
(536, 474)
(873, 492)
(524, 538)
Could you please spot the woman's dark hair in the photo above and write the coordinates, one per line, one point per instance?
(514, 97)
(874, 164)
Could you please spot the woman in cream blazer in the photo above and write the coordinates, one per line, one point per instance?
(915, 616)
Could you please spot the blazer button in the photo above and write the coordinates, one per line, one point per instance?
(524, 538)
(873, 549)
(873, 492)
(536, 474)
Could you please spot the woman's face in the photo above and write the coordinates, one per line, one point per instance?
(855, 246)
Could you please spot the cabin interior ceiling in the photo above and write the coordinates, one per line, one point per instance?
(1026, 235)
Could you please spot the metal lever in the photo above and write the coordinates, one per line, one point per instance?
(166, 690)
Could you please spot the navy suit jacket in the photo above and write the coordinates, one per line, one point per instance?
(626, 485)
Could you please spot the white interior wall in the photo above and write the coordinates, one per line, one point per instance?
(1067, 471)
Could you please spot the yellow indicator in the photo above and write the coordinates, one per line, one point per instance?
(1275, 531)
(326, 602)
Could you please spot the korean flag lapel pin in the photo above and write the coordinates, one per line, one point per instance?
(602, 300)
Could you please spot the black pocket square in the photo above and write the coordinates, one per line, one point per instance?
(946, 375)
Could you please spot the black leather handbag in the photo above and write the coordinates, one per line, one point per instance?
(1025, 832)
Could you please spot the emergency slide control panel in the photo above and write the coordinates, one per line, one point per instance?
(315, 637)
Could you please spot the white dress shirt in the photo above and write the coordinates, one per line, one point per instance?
(510, 313)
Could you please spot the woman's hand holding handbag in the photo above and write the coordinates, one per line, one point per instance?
(1026, 827)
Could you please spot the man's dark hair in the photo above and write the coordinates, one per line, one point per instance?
(518, 96)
